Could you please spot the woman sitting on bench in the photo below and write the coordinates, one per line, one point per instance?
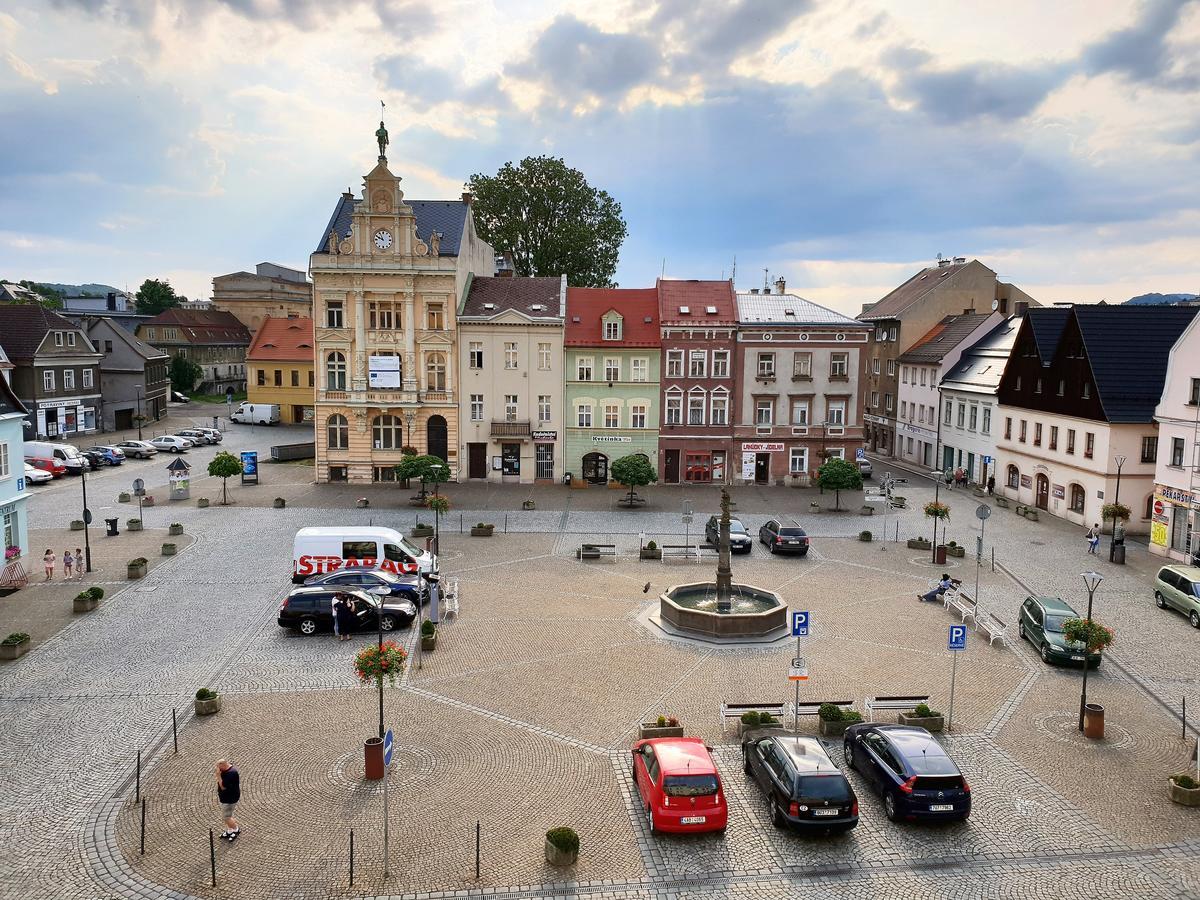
(942, 586)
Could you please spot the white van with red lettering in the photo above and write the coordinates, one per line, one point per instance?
(320, 550)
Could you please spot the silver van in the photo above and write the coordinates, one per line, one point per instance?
(1178, 587)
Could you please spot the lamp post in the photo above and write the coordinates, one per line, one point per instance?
(380, 593)
(824, 426)
(937, 481)
(1092, 581)
(1112, 541)
(436, 468)
(87, 520)
(138, 389)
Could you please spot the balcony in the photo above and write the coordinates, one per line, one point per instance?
(506, 429)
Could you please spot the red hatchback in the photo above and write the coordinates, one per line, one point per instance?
(47, 464)
(679, 785)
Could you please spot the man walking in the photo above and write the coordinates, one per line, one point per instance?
(229, 792)
(991, 484)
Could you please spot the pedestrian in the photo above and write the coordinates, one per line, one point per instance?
(1093, 538)
(229, 792)
(78, 563)
(68, 563)
(960, 477)
(343, 615)
(991, 484)
(948, 476)
(48, 561)
(942, 586)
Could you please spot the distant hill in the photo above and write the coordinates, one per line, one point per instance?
(79, 290)
(1158, 299)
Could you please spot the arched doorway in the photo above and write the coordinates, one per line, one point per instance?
(1043, 491)
(595, 468)
(435, 437)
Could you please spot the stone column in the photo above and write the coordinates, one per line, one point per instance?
(358, 359)
(724, 570)
(410, 343)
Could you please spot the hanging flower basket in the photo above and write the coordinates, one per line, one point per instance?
(438, 505)
(936, 510)
(11, 553)
(1089, 632)
(376, 663)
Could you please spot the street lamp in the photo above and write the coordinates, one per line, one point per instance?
(437, 512)
(1092, 581)
(380, 592)
(87, 518)
(937, 481)
(824, 426)
(138, 389)
(1112, 543)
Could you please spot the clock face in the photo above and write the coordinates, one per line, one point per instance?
(383, 239)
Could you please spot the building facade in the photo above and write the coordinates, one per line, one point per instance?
(56, 371)
(798, 367)
(387, 276)
(612, 347)
(280, 364)
(133, 375)
(1175, 510)
(14, 524)
(214, 340)
(269, 291)
(510, 363)
(698, 321)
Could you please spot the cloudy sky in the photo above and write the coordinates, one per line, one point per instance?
(840, 143)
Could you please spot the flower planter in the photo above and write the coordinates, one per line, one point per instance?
(830, 728)
(133, 525)
(917, 544)
(557, 857)
(900, 502)
(14, 651)
(175, 530)
(147, 500)
(363, 503)
(1183, 796)
(83, 603)
(280, 503)
(742, 727)
(865, 537)
(482, 530)
(956, 551)
(77, 524)
(866, 510)
(929, 723)
(814, 508)
(123, 497)
(202, 503)
(422, 531)
(656, 553)
(428, 642)
(208, 707)
(1031, 515)
(134, 571)
(1002, 502)
(528, 504)
(653, 730)
(168, 549)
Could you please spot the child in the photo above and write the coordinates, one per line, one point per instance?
(68, 561)
(78, 563)
(48, 562)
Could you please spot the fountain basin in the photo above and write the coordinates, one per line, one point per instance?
(693, 607)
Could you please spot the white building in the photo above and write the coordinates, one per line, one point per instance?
(1175, 515)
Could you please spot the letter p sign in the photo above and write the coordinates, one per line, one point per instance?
(958, 637)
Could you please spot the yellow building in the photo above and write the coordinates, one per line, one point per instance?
(280, 367)
(386, 281)
(270, 290)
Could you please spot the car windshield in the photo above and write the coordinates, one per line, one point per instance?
(824, 787)
(736, 527)
(792, 532)
(1055, 623)
(410, 549)
(689, 785)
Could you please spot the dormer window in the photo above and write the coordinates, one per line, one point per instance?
(710, 310)
(58, 339)
(685, 310)
(612, 329)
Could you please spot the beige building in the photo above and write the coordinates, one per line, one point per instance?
(510, 358)
(386, 281)
(1175, 510)
(270, 290)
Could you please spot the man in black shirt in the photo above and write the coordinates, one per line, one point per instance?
(229, 792)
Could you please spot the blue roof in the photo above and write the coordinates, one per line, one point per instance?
(447, 216)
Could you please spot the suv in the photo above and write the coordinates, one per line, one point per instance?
(783, 538)
(1041, 623)
(865, 468)
(803, 786)
(1178, 587)
(679, 785)
(739, 537)
(310, 609)
(910, 769)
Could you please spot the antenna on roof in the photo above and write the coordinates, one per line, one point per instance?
(663, 273)
(733, 274)
(766, 281)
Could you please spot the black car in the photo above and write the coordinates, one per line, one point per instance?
(407, 587)
(95, 460)
(310, 609)
(911, 771)
(739, 538)
(805, 789)
(783, 538)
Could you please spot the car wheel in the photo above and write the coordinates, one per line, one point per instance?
(848, 752)
(889, 807)
(1194, 618)
(650, 821)
(387, 623)
(176, 450)
(777, 818)
(771, 547)
(1021, 630)
(1158, 599)
(308, 626)
(1045, 654)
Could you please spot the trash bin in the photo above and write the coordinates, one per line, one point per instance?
(112, 527)
(1118, 554)
(567, 478)
(939, 555)
(1093, 721)
(373, 758)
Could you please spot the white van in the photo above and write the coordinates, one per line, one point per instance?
(319, 550)
(256, 413)
(67, 454)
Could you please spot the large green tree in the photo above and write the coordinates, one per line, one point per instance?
(548, 220)
(184, 374)
(633, 471)
(156, 295)
(837, 475)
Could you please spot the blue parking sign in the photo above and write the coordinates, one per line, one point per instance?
(958, 637)
(799, 624)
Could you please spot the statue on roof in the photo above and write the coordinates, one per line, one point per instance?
(435, 242)
(382, 137)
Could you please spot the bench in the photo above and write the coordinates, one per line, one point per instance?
(961, 602)
(900, 704)
(688, 550)
(811, 708)
(595, 551)
(995, 628)
(448, 600)
(735, 710)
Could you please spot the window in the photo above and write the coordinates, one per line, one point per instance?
(510, 354)
(311, 378)
(295, 378)
(1062, 386)
(612, 415)
(1089, 445)
(1077, 498)
(380, 316)
(720, 408)
(278, 378)
(612, 330)
(261, 379)
(1024, 431)
(1194, 397)
(802, 364)
(583, 415)
(1177, 452)
(696, 407)
(1149, 448)
(766, 365)
(477, 407)
(640, 367)
(922, 376)
(333, 314)
(1017, 384)
(48, 380)
(544, 357)
(875, 366)
(949, 412)
(1014, 477)
(874, 399)
(1037, 386)
(836, 412)
(583, 368)
(1087, 390)
(697, 364)
(1071, 440)
(475, 355)
(1037, 434)
(58, 339)
(435, 317)
(637, 416)
(674, 410)
(720, 364)
(987, 420)
(962, 414)
(674, 363)
(108, 346)
(386, 433)
(4, 473)
(904, 375)
(973, 419)
(799, 412)
(904, 409)
(612, 369)
(435, 372)
(891, 367)
(510, 407)
(1053, 437)
(798, 460)
(887, 402)
(764, 412)
(337, 432)
(150, 334)
(839, 365)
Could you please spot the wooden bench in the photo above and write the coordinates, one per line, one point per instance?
(900, 704)
(687, 550)
(961, 602)
(811, 708)
(595, 551)
(995, 628)
(735, 710)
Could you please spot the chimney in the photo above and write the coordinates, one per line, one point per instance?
(780, 285)
(111, 302)
(467, 197)
(754, 290)
(1020, 307)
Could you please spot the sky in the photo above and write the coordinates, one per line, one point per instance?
(841, 144)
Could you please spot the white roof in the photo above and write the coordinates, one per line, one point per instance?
(773, 309)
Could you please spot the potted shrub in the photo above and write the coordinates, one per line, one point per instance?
(202, 502)
(428, 636)
(123, 497)
(664, 726)
(175, 529)
(14, 646)
(650, 551)
(207, 702)
(133, 524)
(866, 510)
(482, 530)
(528, 504)
(924, 717)
(362, 503)
(280, 503)
(1002, 502)
(865, 536)
(814, 506)
(756, 720)
(136, 568)
(832, 720)
(1031, 513)
(562, 846)
(86, 601)
(168, 549)
(422, 531)
(148, 500)
(1185, 790)
(77, 524)
(955, 550)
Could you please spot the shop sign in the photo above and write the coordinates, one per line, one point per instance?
(1026, 481)
(762, 446)
(1060, 491)
(545, 435)
(1176, 495)
(876, 420)
(612, 439)
(1158, 534)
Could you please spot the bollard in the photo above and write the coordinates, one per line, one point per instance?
(212, 856)
(1184, 735)
(897, 531)
(476, 851)
(175, 731)
(506, 523)
(137, 784)
(993, 560)
(460, 523)
(351, 857)
(142, 843)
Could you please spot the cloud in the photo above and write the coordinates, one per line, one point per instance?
(711, 35)
(403, 17)
(993, 90)
(425, 85)
(1140, 52)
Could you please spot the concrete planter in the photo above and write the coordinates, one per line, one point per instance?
(123, 497)
(656, 553)
(866, 510)
(168, 549)
(83, 603)
(528, 504)
(134, 571)
(175, 530)
(653, 730)
(133, 525)
(77, 524)
(929, 723)
(1183, 796)
(422, 531)
(482, 530)
(557, 857)
(279, 503)
(208, 707)
(14, 651)
(429, 642)
(1002, 502)
(363, 503)
(918, 544)
(829, 728)
(742, 727)
(202, 503)
(1031, 515)
(956, 551)
(147, 500)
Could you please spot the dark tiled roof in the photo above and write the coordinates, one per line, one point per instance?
(517, 293)
(636, 306)
(901, 298)
(204, 326)
(942, 338)
(23, 326)
(8, 400)
(447, 216)
(697, 296)
(1047, 324)
(288, 339)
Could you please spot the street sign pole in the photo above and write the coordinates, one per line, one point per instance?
(957, 643)
(953, 673)
(982, 512)
(387, 764)
(800, 625)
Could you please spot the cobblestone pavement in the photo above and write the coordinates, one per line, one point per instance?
(523, 716)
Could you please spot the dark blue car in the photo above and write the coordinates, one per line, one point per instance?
(409, 587)
(911, 771)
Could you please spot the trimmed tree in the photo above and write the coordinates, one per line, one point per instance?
(837, 475)
(633, 471)
(428, 469)
(224, 466)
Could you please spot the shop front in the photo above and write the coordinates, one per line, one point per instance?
(64, 418)
(1175, 524)
(690, 462)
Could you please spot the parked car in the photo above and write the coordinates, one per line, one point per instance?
(803, 786)
(34, 475)
(195, 435)
(138, 449)
(67, 454)
(1178, 587)
(679, 785)
(172, 443)
(865, 468)
(94, 460)
(212, 433)
(310, 609)
(410, 587)
(1041, 623)
(739, 538)
(55, 467)
(319, 550)
(180, 398)
(783, 538)
(911, 771)
(113, 455)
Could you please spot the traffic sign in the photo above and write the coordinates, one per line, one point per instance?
(982, 511)
(387, 748)
(798, 670)
(958, 637)
(87, 517)
(987, 460)
(860, 453)
(1158, 507)
(139, 487)
(799, 624)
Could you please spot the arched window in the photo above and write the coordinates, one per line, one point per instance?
(1014, 477)
(1077, 498)
(435, 372)
(387, 433)
(335, 371)
(337, 430)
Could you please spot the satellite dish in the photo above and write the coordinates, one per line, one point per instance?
(995, 305)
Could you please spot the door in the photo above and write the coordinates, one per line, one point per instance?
(544, 460)
(947, 458)
(671, 467)
(762, 468)
(123, 419)
(477, 460)
(1043, 491)
(595, 468)
(971, 467)
(510, 459)
(435, 437)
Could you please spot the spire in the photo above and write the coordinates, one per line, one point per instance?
(381, 136)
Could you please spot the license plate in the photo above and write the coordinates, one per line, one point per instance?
(826, 812)
(941, 807)
(1077, 659)
(793, 542)
(692, 820)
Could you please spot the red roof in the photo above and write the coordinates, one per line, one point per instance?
(204, 325)
(283, 339)
(638, 308)
(698, 298)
